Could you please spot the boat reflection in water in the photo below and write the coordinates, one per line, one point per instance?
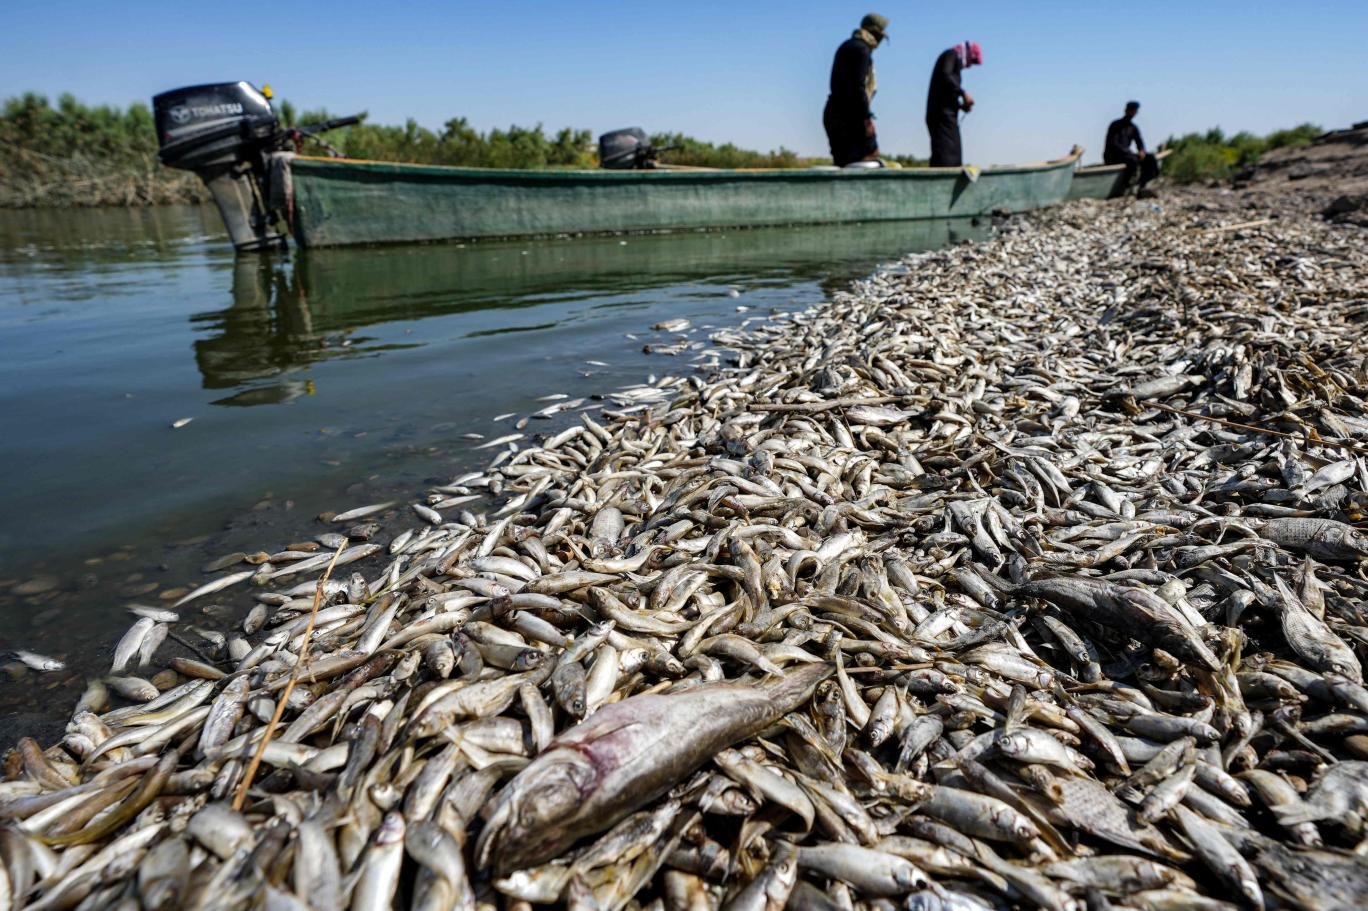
(268, 332)
(288, 315)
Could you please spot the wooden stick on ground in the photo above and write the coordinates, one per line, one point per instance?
(252, 767)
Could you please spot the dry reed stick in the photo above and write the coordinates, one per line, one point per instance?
(252, 767)
(1221, 229)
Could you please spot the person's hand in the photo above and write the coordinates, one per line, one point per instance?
(968, 103)
(1143, 153)
(869, 128)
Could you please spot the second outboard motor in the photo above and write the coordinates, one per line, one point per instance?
(223, 132)
(623, 150)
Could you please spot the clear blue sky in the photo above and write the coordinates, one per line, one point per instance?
(754, 73)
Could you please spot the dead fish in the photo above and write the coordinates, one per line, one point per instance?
(360, 512)
(39, 662)
(604, 768)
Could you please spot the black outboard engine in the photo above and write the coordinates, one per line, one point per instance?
(228, 135)
(224, 133)
(624, 150)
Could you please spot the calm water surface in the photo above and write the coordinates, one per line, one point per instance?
(314, 382)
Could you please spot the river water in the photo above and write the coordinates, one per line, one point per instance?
(317, 381)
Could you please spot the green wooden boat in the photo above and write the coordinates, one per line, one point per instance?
(1103, 181)
(229, 135)
(335, 202)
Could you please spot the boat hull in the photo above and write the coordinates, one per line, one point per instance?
(336, 202)
(1103, 181)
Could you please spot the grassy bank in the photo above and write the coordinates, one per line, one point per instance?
(72, 154)
(1212, 155)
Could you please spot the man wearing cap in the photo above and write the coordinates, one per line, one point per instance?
(945, 99)
(1121, 135)
(848, 120)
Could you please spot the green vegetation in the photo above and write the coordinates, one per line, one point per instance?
(457, 144)
(73, 154)
(685, 150)
(76, 155)
(1214, 156)
(517, 147)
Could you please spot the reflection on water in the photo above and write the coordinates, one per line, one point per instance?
(100, 238)
(115, 325)
(267, 333)
(288, 315)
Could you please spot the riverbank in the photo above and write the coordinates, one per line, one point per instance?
(32, 180)
(1011, 523)
(1330, 176)
(72, 155)
(335, 376)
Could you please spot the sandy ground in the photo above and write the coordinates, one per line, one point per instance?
(1330, 176)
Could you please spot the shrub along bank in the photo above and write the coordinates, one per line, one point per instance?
(1214, 156)
(73, 154)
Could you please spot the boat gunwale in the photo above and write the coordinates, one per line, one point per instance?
(1095, 169)
(393, 168)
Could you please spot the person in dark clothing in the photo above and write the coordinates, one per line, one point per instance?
(848, 120)
(1121, 135)
(945, 99)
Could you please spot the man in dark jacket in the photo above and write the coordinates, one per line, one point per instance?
(849, 122)
(945, 99)
(1121, 134)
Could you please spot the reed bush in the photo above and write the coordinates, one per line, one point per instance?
(73, 154)
(1214, 156)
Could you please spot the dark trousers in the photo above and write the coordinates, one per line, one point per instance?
(1148, 167)
(945, 140)
(846, 136)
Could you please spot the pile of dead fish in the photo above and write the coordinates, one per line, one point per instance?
(1024, 577)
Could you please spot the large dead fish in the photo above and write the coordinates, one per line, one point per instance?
(1134, 611)
(626, 755)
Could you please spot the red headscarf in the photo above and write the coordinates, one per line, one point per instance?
(969, 53)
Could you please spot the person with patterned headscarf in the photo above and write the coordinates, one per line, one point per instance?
(848, 120)
(944, 101)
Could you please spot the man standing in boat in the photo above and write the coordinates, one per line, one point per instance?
(848, 120)
(1121, 135)
(944, 101)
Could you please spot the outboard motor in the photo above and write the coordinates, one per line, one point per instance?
(227, 133)
(223, 132)
(624, 150)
